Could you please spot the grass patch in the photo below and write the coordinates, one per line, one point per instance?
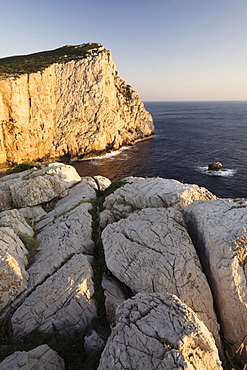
(32, 63)
(31, 244)
(26, 165)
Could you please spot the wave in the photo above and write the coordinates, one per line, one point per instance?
(226, 172)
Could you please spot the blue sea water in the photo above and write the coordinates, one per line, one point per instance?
(188, 136)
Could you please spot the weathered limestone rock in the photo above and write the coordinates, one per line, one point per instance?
(43, 185)
(151, 251)
(62, 303)
(32, 214)
(70, 108)
(13, 279)
(39, 358)
(5, 182)
(84, 191)
(114, 296)
(219, 230)
(156, 332)
(12, 244)
(14, 220)
(93, 342)
(141, 193)
(69, 234)
(102, 182)
(32, 187)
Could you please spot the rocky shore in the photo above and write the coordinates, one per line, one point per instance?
(145, 273)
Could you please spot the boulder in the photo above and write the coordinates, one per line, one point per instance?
(12, 244)
(114, 296)
(13, 279)
(62, 304)
(93, 342)
(139, 193)
(15, 221)
(215, 166)
(156, 332)
(39, 358)
(151, 251)
(69, 234)
(218, 228)
(102, 182)
(84, 191)
(40, 186)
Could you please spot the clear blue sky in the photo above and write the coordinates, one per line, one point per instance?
(166, 49)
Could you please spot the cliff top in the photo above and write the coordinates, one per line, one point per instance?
(31, 63)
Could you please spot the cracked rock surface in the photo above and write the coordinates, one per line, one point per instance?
(139, 193)
(69, 234)
(62, 303)
(39, 358)
(219, 229)
(151, 251)
(155, 331)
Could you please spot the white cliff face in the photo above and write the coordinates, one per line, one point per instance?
(79, 107)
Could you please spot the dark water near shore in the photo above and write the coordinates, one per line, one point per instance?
(188, 136)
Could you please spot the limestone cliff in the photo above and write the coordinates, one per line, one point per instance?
(74, 105)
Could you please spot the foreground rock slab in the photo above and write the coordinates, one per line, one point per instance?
(156, 332)
(219, 232)
(139, 193)
(151, 251)
(63, 303)
(69, 234)
(39, 358)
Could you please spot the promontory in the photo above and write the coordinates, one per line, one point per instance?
(66, 102)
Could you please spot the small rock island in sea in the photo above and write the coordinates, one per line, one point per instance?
(140, 274)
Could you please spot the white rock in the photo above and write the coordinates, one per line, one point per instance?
(69, 234)
(84, 191)
(13, 279)
(39, 358)
(93, 342)
(33, 214)
(12, 244)
(102, 182)
(40, 186)
(114, 296)
(156, 332)
(63, 303)
(37, 190)
(16, 221)
(220, 235)
(151, 251)
(141, 193)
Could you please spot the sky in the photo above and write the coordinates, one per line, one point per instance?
(168, 50)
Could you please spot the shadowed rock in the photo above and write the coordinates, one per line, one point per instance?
(39, 358)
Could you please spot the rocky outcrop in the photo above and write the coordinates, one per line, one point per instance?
(39, 358)
(73, 107)
(219, 232)
(174, 249)
(142, 251)
(138, 193)
(156, 331)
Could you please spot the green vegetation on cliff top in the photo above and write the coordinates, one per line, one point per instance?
(20, 64)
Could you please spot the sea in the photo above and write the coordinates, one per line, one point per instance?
(188, 136)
